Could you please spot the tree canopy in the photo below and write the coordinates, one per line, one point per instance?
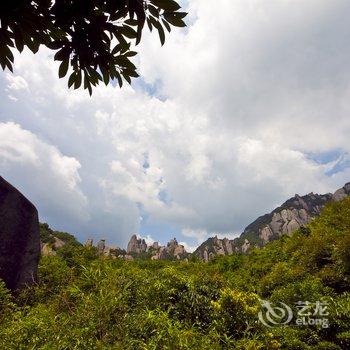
(92, 37)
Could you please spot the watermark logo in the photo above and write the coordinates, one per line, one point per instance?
(312, 314)
(307, 314)
(272, 315)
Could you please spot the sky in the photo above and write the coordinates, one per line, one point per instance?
(247, 106)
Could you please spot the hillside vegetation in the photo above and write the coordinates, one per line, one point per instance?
(84, 301)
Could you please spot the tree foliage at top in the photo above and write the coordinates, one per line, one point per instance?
(92, 37)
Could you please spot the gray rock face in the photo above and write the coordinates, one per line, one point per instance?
(215, 246)
(89, 242)
(342, 192)
(101, 246)
(291, 215)
(19, 238)
(173, 250)
(155, 245)
(284, 222)
(50, 249)
(246, 246)
(127, 257)
(136, 245)
(296, 212)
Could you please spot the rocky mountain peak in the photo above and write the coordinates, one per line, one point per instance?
(294, 213)
(136, 245)
(342, 192)
(172, 243)
(173, 250)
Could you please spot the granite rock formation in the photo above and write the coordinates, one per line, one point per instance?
(214, 246)
(342, 192)
(51, 248)
(51, 241)
(136, 245)
(293, 214)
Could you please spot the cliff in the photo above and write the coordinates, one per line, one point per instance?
(293, 214)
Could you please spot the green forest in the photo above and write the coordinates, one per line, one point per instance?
(84, 301)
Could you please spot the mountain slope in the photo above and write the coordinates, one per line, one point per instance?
(51, 241)
(296, 212)
(89, 302)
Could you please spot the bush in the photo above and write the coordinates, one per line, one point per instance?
(236, 312)
(84, 301)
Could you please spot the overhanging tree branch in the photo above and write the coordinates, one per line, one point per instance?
(92, 37)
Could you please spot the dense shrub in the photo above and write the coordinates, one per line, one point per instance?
(84, 301)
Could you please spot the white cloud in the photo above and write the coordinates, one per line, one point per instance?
(148, 239)
(12, 98)
(188, 248)
(16, 82)
(251, 92)
(50, 179)
(202, 235)
(198, 234)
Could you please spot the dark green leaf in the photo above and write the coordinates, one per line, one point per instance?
(128, 32)
(72, 79)
(174, 20)
(166, 25)
(153, 10)
(62, 71)
(149, 23)
(18, 37)
(33, 45)
(160, 29)
(130, 54)
(119, 78)
(126, 77)
(132, 22)
(62, 54)
(9, 65)
(87, 84)
(55, 45)
(105, 74)
(78, 79)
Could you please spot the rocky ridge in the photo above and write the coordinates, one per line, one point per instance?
(172, 251)
(51, 241)
(293, 214)
(138, 248)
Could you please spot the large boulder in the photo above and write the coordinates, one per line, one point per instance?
(342, 192)
(19, 238)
